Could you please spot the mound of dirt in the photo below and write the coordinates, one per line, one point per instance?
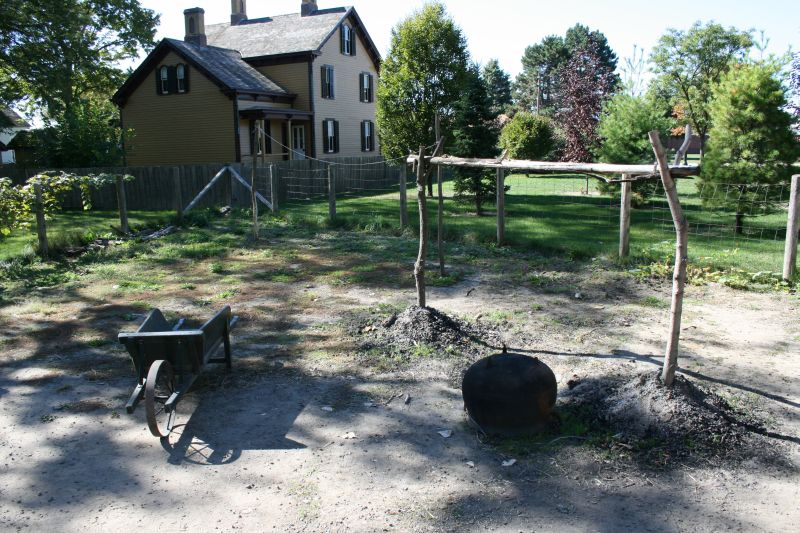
(417, 329)
(684, 419)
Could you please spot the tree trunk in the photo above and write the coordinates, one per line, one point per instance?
(679, 272)
(739, 228)
(419, 266)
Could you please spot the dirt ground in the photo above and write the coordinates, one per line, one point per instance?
(307, 433)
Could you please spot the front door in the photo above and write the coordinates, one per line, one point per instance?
(299, 142)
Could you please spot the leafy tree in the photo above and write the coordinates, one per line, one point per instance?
(537, 87)
(623, 128)
(498, 87)
(474, 135)
(528, 136)
(751, 141)
(423, 73)
(586, 81)
(688, 64)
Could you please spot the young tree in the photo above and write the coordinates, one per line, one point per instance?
(498, 86)
(528, 136)
(423, 73)
(795, 84)
(751, 141)
(474, 135)
(688, 64)
(585, 81)
(624, 125)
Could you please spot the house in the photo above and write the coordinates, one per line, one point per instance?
(10, 125)
(311, 78)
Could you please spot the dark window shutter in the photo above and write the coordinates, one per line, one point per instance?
(336, 136)
(325, 146)
(371, 135)
(361, 87)
(352, 41)
(186, 78)
(158, 80)
(370, 93)
(172, 80)
(341, 39)
(323, 75)
(331, 84)
(364, 136)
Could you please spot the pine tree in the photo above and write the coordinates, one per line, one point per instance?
(474, 135)
(498, 87)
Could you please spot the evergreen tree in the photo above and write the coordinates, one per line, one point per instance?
(474, 135)
(751, 143)
(498, 87)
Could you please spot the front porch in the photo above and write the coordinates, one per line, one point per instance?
(288, 132)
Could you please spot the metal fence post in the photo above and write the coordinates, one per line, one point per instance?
(790, 251)
(625, 217)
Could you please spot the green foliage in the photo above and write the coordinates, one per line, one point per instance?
(537, 89)
(498, 86)
(423, 73)
(474, 135)
(623, 128)
(688, 64)
(751, 143)
(528, 136)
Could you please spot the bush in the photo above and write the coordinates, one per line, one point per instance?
(528, 136)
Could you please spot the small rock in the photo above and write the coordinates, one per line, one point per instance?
(578, 296)
(445, 433)
(327, 408)
(349, 436)
(470, 464)
(510, 462)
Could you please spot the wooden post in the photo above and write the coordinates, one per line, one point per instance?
(440, 209)
(273, 189)
(176, 184)
(253, 170)
(419, 266)
(625, 217)
(679, 272)
(122, 204)
(501, 207)
(331, 195)
(41, 227)
(792, 226)
(403, 197)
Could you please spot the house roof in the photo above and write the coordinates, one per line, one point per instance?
(286, 34)
(224, 67)
(10, 119)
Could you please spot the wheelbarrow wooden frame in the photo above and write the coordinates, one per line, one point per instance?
(169, 359)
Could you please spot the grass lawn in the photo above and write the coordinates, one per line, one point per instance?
(76, 227)
(552, 215)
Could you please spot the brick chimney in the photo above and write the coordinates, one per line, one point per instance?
(195, 21)
(238, 11)
(308, 7)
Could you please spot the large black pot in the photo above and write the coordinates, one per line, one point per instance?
(509, 394)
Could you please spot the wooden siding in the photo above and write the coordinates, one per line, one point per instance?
(347, 106)
(192, 128)
(294, 78)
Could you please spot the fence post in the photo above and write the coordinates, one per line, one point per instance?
(273, 190)
(440, 220)
(176, 184)
(253, 198)
(625, 217)
(403, 197)
(331, 195)
(790, 251)
(501, 207)
(122, 204)
(41, 228)
(228, 200)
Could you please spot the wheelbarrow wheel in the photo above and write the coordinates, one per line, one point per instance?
(159, 387)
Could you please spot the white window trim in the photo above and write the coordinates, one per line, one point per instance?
(163, 75)
(347, 40)
(180, 74)
(331, 134)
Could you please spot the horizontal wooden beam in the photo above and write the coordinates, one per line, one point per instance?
(550, 166)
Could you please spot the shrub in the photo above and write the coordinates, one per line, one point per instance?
(528, 136)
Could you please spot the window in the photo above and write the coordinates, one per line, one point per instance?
(348, 40)
(365, 87)
(327, 81)
(181, 75)
(367, 136)
(164, 79)
(330, 136)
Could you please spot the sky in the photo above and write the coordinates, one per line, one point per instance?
(502, 29)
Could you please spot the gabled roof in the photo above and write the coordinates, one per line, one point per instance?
(286, 34)
(10, 119)
(224, 67)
